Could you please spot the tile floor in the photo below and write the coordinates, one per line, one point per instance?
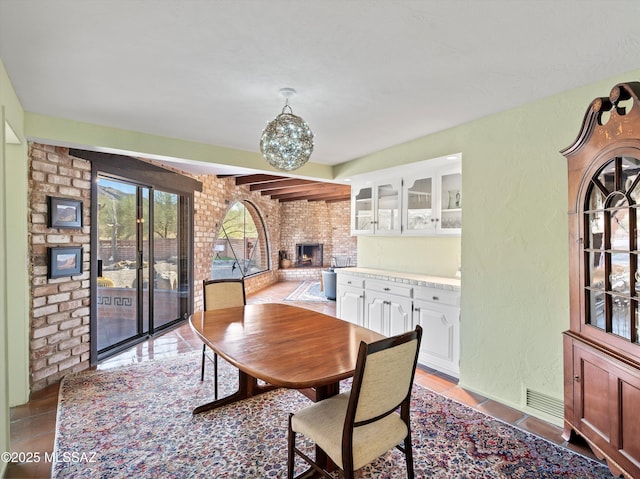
(33, 424)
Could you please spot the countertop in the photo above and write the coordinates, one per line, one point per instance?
(440, 282)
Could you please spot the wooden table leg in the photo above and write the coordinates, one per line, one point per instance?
(247, 387)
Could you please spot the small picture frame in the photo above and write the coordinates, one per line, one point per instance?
(64, 213)
(65, 261)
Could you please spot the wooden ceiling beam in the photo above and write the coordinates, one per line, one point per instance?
(284, 188)
(258, 178)
(312, 188)
(310, 195)
(282, 183)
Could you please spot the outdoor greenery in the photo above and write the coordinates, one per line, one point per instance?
(117, 214)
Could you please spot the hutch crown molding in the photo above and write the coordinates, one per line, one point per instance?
(601, 348)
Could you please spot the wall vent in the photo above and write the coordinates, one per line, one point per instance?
(547, 404)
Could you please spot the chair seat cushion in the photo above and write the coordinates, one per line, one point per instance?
(323, 423)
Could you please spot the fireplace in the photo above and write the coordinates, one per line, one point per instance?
(308, 255)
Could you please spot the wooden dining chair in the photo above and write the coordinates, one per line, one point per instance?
(218, 294)
(355, 428)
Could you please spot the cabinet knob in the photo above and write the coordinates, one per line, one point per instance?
(416, 309)
(435, 298)
(576, 378)
(387, 289)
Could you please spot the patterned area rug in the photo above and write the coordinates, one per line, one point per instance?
(308, 291)
(136, 421)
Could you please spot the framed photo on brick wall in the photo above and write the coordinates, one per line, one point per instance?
(65, 261)
(64, 213)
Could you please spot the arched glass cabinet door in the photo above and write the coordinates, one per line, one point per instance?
(612, 275)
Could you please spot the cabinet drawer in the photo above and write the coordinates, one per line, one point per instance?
(390, 287)
(354, 281)
(436, 295)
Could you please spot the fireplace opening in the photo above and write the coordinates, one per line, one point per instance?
(308, 255)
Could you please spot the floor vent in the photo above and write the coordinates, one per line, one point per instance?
(544, 403)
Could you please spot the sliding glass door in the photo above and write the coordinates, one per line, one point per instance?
(142, 267)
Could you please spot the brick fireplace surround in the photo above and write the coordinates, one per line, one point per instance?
(60, 308)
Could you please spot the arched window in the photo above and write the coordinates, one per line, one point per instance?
(241, 248)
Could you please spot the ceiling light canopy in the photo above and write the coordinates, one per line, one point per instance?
(287, 141)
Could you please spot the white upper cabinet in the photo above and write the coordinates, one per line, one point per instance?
(420, 199)
(376, 208)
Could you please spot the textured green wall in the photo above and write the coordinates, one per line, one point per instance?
(14, 302)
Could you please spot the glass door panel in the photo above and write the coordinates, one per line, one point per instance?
(118, 263)
(419, 205)
(166, 254)
(611, 249)
(388, 217)
(451, 201)
(363, 211)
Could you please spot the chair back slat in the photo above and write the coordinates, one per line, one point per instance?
(223, 293)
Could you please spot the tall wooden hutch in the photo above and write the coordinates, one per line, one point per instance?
(602, 346)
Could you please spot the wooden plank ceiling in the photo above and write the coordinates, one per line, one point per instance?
(293, 189)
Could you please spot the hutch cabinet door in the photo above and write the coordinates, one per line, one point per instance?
(607, 404)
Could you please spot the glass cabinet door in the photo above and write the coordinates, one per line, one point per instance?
(450, 203)
(388, 208)
(419, 205)
(362, 221)
(610, 218)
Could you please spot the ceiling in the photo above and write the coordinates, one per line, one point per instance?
(370, 74)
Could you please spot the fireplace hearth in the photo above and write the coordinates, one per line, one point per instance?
(309, 255)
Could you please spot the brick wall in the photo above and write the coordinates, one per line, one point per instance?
(342, 243)
(317, 222)
(211, 206)
(60, 306)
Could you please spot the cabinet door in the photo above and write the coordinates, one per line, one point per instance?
(399, 316)
(375, 314)
(440, 347)
(450, 203)
(606, 404)
(387, 201)
(350, 305)
(362, 220)
(418, 212)
(387, 314)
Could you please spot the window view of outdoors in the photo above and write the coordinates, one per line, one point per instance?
(241, 248)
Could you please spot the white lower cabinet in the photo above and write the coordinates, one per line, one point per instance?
(393, 307)
(387, 314)
(440, 346)
(350, 300)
